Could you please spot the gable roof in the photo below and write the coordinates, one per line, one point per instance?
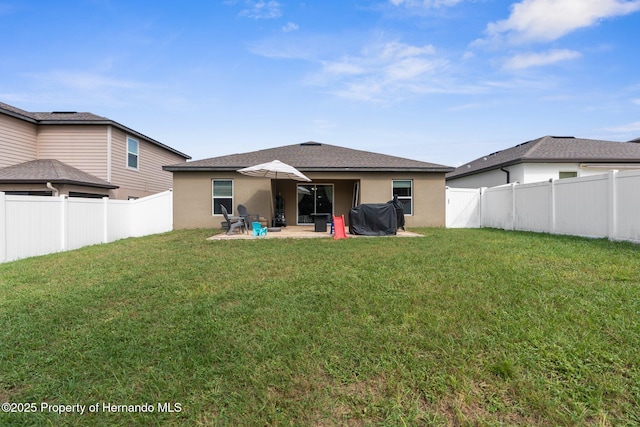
(74, 117)
(49, 170)
(312, 157)
(553, 149)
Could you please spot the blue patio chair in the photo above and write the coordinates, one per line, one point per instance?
(258, 229)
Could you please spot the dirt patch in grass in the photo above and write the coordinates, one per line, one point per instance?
(6, 395)
(483, 404)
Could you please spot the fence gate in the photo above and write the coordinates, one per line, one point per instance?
(463, 208)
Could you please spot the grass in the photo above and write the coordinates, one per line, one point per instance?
(461, 327)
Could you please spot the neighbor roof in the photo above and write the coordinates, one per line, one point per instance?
(73, 117)
(553, 149)
(312, 157)
(49, 170)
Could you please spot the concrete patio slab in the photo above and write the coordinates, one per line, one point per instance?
(297, 232)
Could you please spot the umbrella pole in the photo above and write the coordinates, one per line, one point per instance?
(275, 199)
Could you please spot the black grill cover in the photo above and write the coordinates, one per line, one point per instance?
(373, 219)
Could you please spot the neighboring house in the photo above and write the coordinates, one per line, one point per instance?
(341, 178)
(549, 157)
(79, 154)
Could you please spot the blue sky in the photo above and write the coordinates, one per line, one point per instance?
(444, 81)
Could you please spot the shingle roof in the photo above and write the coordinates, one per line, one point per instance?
(554, 149)
(73, 117)
(49, 170)
(53, 117)
(17, 112)
(312, 156)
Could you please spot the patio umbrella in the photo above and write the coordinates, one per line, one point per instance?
(274, 169)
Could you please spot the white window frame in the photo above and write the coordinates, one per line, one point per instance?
(213, 196)
(137, 153)
(403, 198)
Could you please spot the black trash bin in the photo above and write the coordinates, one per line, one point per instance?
(320, 221)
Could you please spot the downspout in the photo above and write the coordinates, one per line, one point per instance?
(109, 153)
(508, 174)
(56, 193)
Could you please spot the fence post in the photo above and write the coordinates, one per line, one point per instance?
(513, 206)
(552, 206)
(482, 206)
(3, 227)
(105, 218)
(613, 208)
(64, 213)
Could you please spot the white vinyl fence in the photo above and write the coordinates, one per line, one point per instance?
(38, 225)
(606, 205)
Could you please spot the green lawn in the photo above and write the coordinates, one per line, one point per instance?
(460, 327)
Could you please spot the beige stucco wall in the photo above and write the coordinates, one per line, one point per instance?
(192, 195)
(428, 195)
(193, 198)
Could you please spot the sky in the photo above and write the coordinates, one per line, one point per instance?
(441, 81)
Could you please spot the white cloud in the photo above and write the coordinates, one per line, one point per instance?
(526, 60)
(75, 88)
(398, 50)
(411, 68)
(344, 67)
(547, 20)
(84, 81)
(626, 128)
(636, 101)
(468, 55)
(377, 72)
(262, 9)
(392, 60)
(290, 27)
(382, 70)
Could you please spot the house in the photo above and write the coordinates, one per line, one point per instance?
(79, 154)
(542, 159)
(340, 179)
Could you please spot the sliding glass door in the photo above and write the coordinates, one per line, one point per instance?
(314, 199)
